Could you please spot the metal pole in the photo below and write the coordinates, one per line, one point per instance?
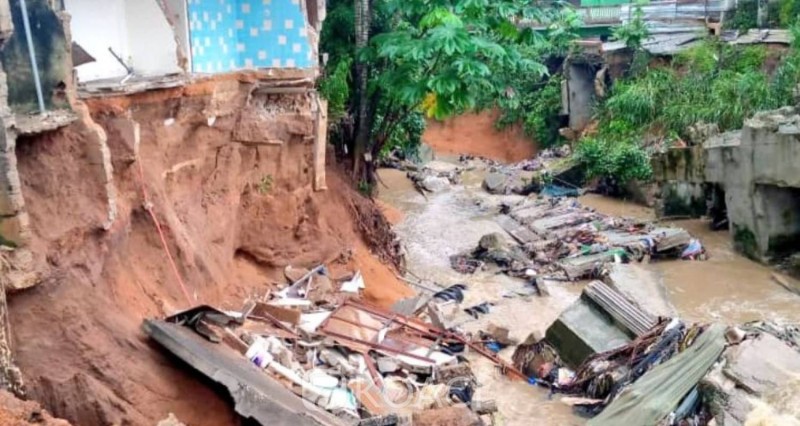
(32, 52)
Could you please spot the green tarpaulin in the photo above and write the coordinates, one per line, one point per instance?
(656, 394)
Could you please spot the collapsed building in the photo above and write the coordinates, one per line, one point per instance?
(747, 179)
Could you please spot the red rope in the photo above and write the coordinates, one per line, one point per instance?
(149, 208)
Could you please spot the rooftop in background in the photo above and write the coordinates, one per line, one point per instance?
(670, 44)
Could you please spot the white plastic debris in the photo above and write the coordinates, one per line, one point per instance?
(354, 285)
(322, 379)
(310, 322)
(259, 354)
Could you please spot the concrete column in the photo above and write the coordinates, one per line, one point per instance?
(320, 143)
(14, 228)
(13, 219)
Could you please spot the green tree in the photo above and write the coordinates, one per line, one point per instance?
(441, 57)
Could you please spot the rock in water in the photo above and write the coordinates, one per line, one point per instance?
(495, 183)
(435, 183)
(493, 241)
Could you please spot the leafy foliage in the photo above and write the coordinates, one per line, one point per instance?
(534, 101)
(634, 32)
(712, 83)
(445, 57)
(541, 121)
(787, 76)
(335, 87)
(744, 17)
(788, 12)
(408, 136)
(623, 159)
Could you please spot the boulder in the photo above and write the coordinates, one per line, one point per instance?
(762, 364)
(495, 183)
(493, 241)
(435, 183)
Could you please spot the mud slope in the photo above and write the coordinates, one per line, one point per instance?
(233, 215)
(475, 134)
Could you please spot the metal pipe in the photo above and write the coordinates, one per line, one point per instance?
(26, 23)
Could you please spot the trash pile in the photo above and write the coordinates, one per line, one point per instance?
(563, 240)
(670, 373)
(353, 362)
(675, 374)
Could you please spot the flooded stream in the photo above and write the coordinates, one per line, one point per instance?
(727, 288)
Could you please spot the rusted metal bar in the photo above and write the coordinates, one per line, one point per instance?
(378, 346)
(441, 333)
(373, 371)
(351, 322)
(413, 323)
(491, 356)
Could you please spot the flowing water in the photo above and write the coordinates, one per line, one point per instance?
(727, 287)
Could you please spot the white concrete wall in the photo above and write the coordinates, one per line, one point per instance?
(151, 40)
(178, 13)
(96, 27)
(137, 30)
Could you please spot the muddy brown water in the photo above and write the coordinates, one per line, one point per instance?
(727, 288)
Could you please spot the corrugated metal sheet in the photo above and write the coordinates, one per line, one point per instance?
(668, 11)
(762, 36)
(595, 3)
(662, 44)
(670, 44)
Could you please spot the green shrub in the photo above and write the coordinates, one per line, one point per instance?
(711, 82)
(623, 159)
(408, 136)
(335, 87)
(744, 17)
(541, 122)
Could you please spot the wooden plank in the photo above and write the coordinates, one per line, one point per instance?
(530, 214)
(545, 225)
(520, 233)
(582, 266)
(669, 238)
(282, 314)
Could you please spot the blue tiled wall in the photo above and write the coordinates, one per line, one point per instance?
(233, 34)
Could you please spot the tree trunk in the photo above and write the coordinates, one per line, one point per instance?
(362, 25)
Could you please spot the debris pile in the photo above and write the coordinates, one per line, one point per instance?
(672, 373)
(561, 239)
(435, 176)
(349, 362)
